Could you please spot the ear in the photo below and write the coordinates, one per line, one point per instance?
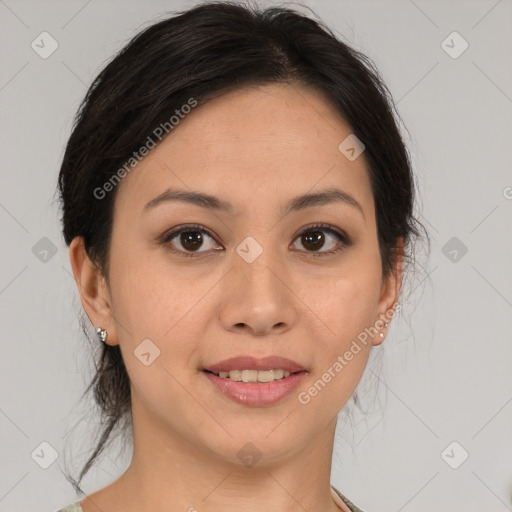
(93, 289)
(390, 292)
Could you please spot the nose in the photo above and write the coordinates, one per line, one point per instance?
(259, 299)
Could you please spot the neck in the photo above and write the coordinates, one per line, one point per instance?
(168, 472)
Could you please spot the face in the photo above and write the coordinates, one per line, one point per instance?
(256, 273)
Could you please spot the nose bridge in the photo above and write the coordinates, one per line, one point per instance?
(259, 263)
(260, 300)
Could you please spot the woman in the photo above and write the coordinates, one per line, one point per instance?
(238, 204)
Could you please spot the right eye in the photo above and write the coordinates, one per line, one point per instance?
(189, 239)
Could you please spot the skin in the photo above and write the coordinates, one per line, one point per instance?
(257, 148)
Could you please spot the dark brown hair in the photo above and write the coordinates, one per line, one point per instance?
(202, 52)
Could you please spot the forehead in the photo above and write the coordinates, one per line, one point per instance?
(252, 146)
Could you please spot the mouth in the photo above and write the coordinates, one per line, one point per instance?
(261, 376)
(255, 382)
(253, 369)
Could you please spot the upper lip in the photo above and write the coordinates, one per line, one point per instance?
(253, 363)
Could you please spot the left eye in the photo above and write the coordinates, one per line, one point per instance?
(313, 238)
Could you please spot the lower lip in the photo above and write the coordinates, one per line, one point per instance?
(256, 394)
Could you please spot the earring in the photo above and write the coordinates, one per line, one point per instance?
(382, 334)
(102, 333)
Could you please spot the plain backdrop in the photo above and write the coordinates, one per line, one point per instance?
(436, 434)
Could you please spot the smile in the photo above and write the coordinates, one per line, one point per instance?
(254, 375)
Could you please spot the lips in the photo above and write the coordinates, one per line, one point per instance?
(252, 363)
(255, 382)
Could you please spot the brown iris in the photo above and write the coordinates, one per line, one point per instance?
(313, 240)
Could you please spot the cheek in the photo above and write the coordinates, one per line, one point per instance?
(150, 304)
(346, 308)
(347, 299)
(146, 297)
(153, 301)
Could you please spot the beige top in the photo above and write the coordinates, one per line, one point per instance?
(338, 498)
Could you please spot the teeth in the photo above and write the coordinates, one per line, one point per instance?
(255, 375)
(266, 376)
(250, 375)
(235, 375)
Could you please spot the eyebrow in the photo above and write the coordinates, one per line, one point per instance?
(324, 197)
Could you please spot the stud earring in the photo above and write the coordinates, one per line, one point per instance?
(382, 334)
(102, 333)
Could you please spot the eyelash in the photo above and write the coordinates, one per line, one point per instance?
(344, 240)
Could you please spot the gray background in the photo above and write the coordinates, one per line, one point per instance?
(446, 365)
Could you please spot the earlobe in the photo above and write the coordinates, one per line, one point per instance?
(91, 286)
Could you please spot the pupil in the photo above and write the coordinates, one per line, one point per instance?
(312, 238)
(191, 240)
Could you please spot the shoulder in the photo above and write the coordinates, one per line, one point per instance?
(350, 505)
(73, 507)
